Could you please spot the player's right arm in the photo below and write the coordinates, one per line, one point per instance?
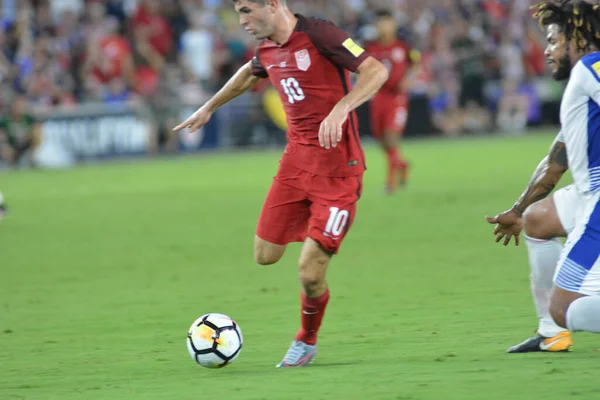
(545, 178)
(244, 79)
(411, 77)
(543, 181)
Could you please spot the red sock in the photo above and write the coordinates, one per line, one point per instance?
(393, 162)
(393, 155)
(313, 311)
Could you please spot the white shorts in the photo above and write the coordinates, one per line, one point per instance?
(579, 265)
(567, 201)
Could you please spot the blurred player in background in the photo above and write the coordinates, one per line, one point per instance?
(314, 194)
(389, 108)
(572, 302)
(3, 209)
(18, 129)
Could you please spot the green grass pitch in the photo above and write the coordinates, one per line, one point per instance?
(103, 268)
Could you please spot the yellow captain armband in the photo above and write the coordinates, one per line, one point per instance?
(352, 47)
(415, 56)
(596, 68)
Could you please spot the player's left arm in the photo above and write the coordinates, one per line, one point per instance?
(372, 74)
(344, 53)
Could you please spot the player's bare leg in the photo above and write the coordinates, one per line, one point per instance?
(543, 228)
(313, 268)
(315, 296)
(541, 220)
(397, 165)
(575, 311)
(266, 253)
(575, 301)
(560, 304)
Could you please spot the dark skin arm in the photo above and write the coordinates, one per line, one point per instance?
(545, 178)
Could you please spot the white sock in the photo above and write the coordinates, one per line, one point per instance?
(543, 258)
(584, 315)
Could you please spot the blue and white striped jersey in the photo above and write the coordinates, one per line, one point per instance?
(580, 120)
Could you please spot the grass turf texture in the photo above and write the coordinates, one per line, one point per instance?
(103, 269)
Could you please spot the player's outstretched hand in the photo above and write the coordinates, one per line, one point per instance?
(509, 224)
(196, 121)
(330, 131)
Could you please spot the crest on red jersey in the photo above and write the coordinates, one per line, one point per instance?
(303, 60)
(398, 55)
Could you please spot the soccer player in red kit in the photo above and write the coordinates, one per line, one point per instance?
(313, 197)
(389, 108)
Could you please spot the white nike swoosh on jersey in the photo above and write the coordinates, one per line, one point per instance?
(544, 346)
(309, 313)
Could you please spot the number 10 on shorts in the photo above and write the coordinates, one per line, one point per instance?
(338, 219)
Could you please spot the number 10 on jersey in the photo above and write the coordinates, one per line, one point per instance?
(292, 88)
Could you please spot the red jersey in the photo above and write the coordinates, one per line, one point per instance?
(311, 74)
(397, 58)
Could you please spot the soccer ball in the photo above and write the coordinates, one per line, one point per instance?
(214, 340)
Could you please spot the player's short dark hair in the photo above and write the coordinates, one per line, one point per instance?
(579, 20)
(261, 2)
(384, 14)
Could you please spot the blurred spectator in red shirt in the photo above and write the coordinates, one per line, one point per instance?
(108, 58)
(149, 23)
(533, 55)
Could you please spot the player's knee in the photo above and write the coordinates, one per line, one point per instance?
(266, 253)
(312, 273)
(264, 257)
(311, 280)
(390, 140)
(533, 223)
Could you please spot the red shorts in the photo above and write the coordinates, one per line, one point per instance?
(300, 205)
(389, 114)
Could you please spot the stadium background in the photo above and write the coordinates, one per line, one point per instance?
(107, 78)
(104, 266)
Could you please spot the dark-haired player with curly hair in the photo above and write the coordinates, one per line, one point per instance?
(565, 279)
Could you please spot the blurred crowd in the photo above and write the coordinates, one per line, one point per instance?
(480, 64)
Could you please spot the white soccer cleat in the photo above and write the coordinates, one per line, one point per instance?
(299, 354)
